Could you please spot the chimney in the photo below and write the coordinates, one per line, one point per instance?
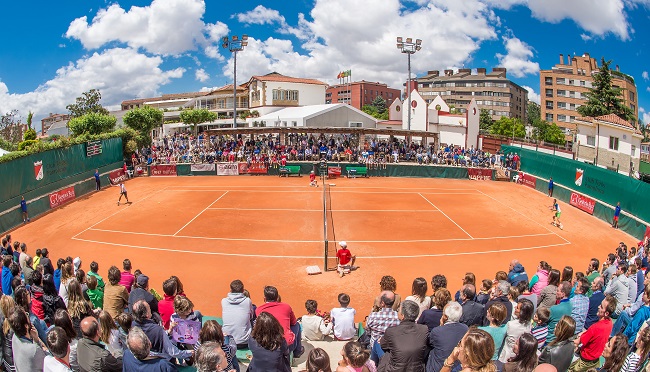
(569, 59)
(499, 71)
(481, 71)
(465, 70)
(561, 59)
(433, 73)
(618, 68)
(449, 72)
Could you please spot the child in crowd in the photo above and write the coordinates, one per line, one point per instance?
(355, 358)
(513, 296)
(483, 295)
(96, 296)
(184, 310)
(318, 361)
(124, 322)
(496, 314)
(343, 319)
(540, 329)
(314, 326)
(37, 258)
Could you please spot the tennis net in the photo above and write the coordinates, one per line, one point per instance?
(329, 235)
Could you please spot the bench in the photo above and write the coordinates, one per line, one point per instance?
(289, 170)
(353, 172)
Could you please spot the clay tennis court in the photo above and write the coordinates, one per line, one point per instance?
(266, 230)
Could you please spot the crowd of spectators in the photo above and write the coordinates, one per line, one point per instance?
(375, 153)
(58, 317)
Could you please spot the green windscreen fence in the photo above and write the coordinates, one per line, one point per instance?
(605, 186)
(37, 175)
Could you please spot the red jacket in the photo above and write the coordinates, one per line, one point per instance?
(37, 302)
(166, 309)
(283, 313)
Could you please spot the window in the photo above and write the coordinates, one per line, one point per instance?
(561, 93)
(633, 150)
(613, 143)
(549, 118)
(549, 92)
(582, 83)
(286, 95)
(355, 124)
(548, 81)
(591, 141)
(561, 105)
(632, 96)
(560, 81)
(571, 82)
(561, 118)
(549, 104)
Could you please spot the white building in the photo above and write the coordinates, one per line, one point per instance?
(272, 92)
(317, 116)
(609, 142)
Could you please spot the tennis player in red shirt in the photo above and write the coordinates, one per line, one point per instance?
(345, 259)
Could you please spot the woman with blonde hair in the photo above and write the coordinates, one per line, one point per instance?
(474, 353)
(78, 307)
(355, 359)
(7, 305)
(109, 334)
(67, 274)
(559, 353)
(419, 294)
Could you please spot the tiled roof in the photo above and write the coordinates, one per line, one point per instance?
(274, 76)
(226, 88)
(612, 118)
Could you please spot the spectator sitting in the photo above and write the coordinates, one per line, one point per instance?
(378, 322)
(445, 338)
(483, 295)
(431, 318)
(212, 332)
(580, 304)
(517, 327)
(343, 319)
(7, 305)
(522, 289)
(23, 298)
(314, 327)
(547, 295)
(78, 307)
(109, 334)
(140, 291)
(210, 357)
(166, 305)
(640, 317)
(594, 301)
(469, 278)
(116, 297)
(355, 358)
(184, 310)
(285, 316)
(405, 345)
(563, 307)
(124, 322)
(638, 358)
(472, 311)
(59, 345)
(525, 358)
(67, 274)
(419, 295)
(387, 283)
(517, 273)
(161, 345)
(501, 296)
(618, 286)
(594, 339)
(496, 314)
(237, 314)
(269, 345)
(127, 279)
(28, 350)
(473, 352)
(95, 295)
(560, 352)
(57, 273)
(540, 326)
(318, 361)
(137, 357)
(540, 279)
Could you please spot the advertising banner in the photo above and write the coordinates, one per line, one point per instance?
(61, 197)
(254, 168)
(202, 167)
(528, 180)
(163, 170)
(583, 203)
(227, 169)
(480, 174)
(117, 176)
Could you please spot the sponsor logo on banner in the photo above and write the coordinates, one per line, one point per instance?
(529, 180)
(582, 202)
(202, 167)
(61, 197)
(38, 170)
(579, 174)
(254, 168)
(228, 169)
(163, 170)
(480, 174)
(117, 176)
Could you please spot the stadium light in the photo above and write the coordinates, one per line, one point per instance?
(409, 48)
(234, 44)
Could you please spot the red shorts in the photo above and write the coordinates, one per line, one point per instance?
(615, 218)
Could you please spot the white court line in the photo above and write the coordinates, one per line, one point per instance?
(195, 217)
(332, 191)
(318, 257)
(530, 219)
(143, 199)
(444, 214)
(318, 241)
(329, 181)
(320, 210)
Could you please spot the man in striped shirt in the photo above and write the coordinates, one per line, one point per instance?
(377, 323)
(580, 304)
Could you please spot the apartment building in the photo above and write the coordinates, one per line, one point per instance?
(492, 91)
(563, 88)
(51, 122)
(360, 93)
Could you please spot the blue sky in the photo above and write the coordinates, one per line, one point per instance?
(54, 51)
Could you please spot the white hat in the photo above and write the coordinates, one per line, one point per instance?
(76, 262)
(343, 244)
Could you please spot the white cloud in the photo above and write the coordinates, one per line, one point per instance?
(585, 37)
(259, 16)
(119, 74)
(532, 96)
(644, 75)
(201, 75)
(167, 27)
(645, 117)
(517, 60)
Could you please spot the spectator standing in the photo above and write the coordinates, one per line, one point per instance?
(268, 344)
(67, 274)
(59, 345)
(500, 296)
(63, 321)
(116, 298)
(91, 354)
(405, 345)
(594, 339)
(22, 258)
(94, 269)
(343, 319)
(137, 357)
(559, 353)
(6, 276)
(283, 313)
(110, 335)
(443, 339)
(28, 270)
(127, 279)
(95, 295)
(37, 258)
(46, 262)
(51, 299)
(7, 305)
(78, 307)
(237, 314)
(496, 314)
(28, 350)
(517, 327)
(57, 273)
(23, 209)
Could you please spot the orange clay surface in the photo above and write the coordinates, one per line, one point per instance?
(266, 230)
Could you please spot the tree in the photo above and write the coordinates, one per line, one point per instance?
(604, 98)
(505, 127)
(29, 120)
(197, 116)
(372, 111)
(380, 104)
(485, 119)
(144, 120)
(533, 113)
(10, 128)
(555, 135)
(86, 104)
(93, 123)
